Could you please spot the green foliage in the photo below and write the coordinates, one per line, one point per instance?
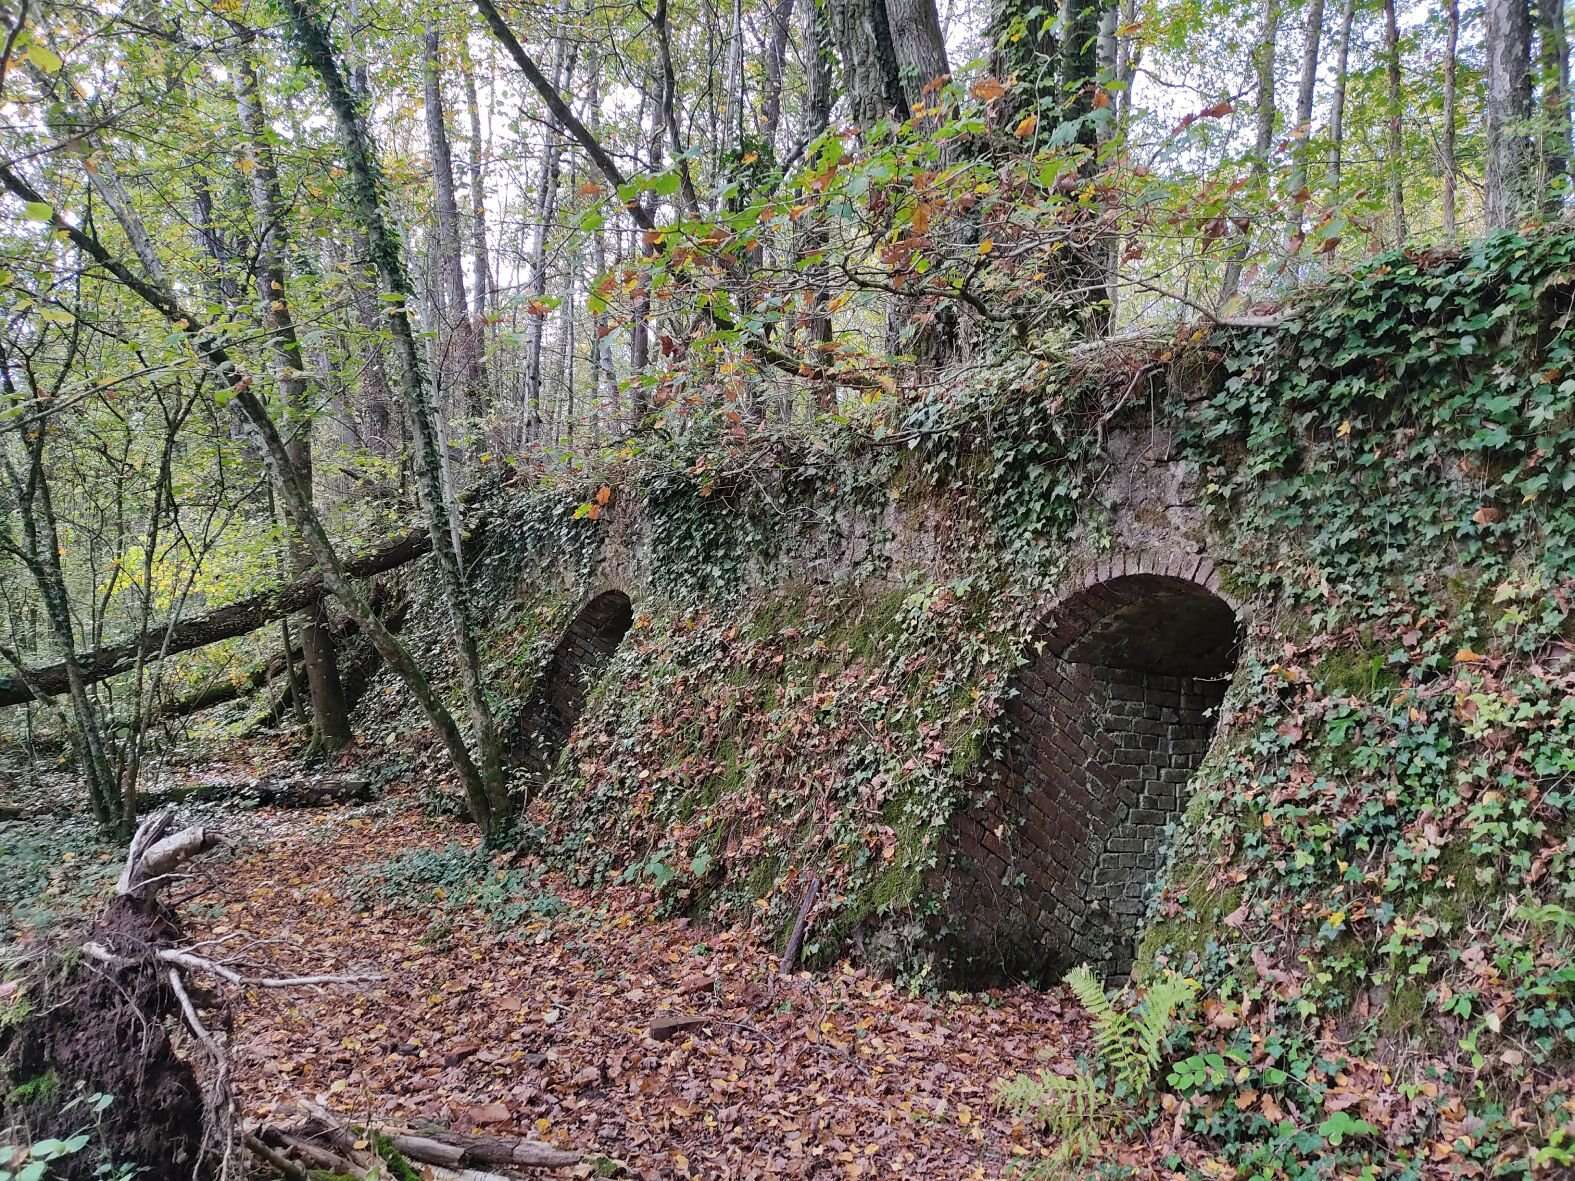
(457, 878)
(1425, 406)
(1130, 1044)
(33, 1161)
(1089, 1108)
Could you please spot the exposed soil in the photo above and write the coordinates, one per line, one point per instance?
(103, 1029)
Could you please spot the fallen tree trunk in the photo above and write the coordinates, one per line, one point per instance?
(227, 689)
(235, 619)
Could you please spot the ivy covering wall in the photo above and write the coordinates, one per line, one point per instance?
(1376, 876)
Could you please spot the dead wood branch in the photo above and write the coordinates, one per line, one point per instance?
(795, 944)
(470, 1156)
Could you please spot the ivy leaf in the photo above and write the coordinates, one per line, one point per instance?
(44, 58)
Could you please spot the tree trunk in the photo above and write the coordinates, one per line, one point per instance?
(776, 59)
(1396, 161)
(1080, 62)
(1263, 58)
(41, 554)
(604, 382)
(871, 75)
(919, 45)
(1451, 103)
(1554, 63)
(1302, 131)
(1509, 155)
(810, 231)
(546, 215)
(330, 716)
(486, 290)
(461, 369)
(1342, 58)
(484, 783)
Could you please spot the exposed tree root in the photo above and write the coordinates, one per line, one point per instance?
(115, 1023)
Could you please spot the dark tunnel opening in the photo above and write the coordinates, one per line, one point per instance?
(576, 664)
(1106, 726)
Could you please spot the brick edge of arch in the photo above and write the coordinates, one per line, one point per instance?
(1078, 600)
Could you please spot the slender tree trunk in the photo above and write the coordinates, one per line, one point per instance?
(485, 286)
(1305, 89)
(461, 371)
(776, 59)
(1396, 160)
(1342, 60)
(733, 81)
(811, 232)
(546, 215)
(484, 783)
(1509, 153)
(1554, 63)
(604, 382)
(1451, 113)
(330, 715)
(1263, 58)
(40, 552)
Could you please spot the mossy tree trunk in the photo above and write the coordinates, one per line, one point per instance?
(484, 782)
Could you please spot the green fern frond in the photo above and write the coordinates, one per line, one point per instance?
(1078, 1110)
(1115, 1034)
(1156, 1019)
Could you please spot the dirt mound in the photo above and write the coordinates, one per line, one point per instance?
(103, 1029)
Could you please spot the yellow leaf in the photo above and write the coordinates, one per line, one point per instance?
(1467, 656)
(1029, 124)
(986, 246)
(1345, 429)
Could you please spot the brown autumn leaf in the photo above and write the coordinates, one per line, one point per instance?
(987, 89)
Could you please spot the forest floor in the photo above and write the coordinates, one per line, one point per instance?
(541, 1025)
(514, 1002)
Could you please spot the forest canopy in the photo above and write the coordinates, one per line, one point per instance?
(280, 279)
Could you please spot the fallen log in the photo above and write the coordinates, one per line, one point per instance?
(236, 619)
(323, 1140)
(227, 689)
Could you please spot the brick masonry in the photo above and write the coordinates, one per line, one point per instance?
(577, 663)
(1053, 863)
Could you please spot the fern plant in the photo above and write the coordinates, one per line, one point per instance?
(1089, 1107)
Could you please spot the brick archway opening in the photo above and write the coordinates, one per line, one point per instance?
(577, 663)
(1109, 719)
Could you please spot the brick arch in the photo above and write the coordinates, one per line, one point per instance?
(1108, 719)
(576, 664)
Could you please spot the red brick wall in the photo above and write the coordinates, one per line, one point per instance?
(1052, 864)
(576, 665)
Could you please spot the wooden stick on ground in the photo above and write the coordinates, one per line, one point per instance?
(796, 940)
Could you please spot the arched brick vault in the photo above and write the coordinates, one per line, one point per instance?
(577, 663)
(1114, 711)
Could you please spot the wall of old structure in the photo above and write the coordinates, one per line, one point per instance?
(1053, 862)
(576, 664)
